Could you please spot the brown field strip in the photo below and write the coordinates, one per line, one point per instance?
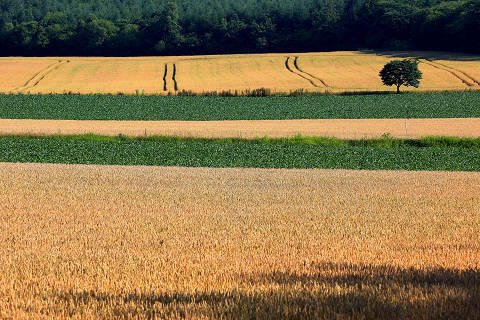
(279, 72)
(339, 128)
(102, 242)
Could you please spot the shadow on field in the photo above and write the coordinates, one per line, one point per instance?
(430, 55)
(327, 291)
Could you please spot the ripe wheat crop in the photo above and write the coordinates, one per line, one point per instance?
(136, 242)
(332, 72)
(18, 73)
(359, 72)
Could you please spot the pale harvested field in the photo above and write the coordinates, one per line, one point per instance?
(339, 128)
(318, 72)
(104, 242)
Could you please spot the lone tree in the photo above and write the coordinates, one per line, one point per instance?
(401, 73)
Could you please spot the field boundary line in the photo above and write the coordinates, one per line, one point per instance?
(289, 68)
(297, 66)
(453, 73)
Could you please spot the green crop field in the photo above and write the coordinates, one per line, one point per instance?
(426, 154)
(100, 107)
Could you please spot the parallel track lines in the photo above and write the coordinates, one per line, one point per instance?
(297, 66)
(173, 78)
(465, 80)
(319, 80)
(460, 71)
(297, 72)
(39, 76)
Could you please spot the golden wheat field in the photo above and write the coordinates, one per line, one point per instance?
(338, 128)
(99, 242)
(315, 72)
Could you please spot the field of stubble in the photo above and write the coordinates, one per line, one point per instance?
(104, 242)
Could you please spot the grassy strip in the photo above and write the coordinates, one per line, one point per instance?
(104, 107)
(449, 154)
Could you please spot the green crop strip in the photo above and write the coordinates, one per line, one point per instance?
(450, 154)
(103, 107)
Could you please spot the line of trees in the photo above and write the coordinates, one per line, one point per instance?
(149, 27)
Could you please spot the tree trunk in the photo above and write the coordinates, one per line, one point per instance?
(398, 89)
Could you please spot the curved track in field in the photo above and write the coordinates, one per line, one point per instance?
(293, 69)
(459, 71)
(466, 80)
(297, 66)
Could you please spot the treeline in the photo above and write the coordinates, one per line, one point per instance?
(149, 27)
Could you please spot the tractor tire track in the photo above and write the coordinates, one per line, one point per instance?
(295, 63)
(165, 88)
(459, 71)
(298, 73)
(440, 67)
(39, 76)
(175, 84)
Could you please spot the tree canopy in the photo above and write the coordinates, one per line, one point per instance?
(401, 73)
(153, 27)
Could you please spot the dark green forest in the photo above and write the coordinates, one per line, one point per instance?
(165, 27)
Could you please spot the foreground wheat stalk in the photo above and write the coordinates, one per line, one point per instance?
(125, 242)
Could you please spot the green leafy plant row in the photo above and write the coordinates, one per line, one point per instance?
(103, 107)
(452, 154)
